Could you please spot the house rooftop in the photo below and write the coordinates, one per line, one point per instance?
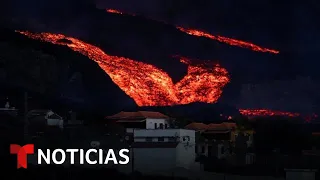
(38, 112)
(315, 133)
(8, 109)
(301, 170)
(137, 115)
(313, 152)
(196, 126)
(211, 127)
(155, 144)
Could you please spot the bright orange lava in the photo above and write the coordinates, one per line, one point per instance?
(146, 84)
(114, 11)
(229, 41)
(266, 112)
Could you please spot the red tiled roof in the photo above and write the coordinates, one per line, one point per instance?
(216, 132)
(196, 126)
(315, 133)
(311, 152)
(216, 127)
(230, 125)
(211, 127)
(155, 145)
(131, 120)
(137, 115)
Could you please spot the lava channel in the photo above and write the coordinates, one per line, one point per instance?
(146, 84)
(251, 113)
(266, 112)
(222, 39)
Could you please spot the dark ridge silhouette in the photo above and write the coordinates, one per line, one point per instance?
(99, 92)
(199, 112)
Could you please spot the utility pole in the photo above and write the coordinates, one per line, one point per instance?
(130, 141)
(26, 122)
(132, 152)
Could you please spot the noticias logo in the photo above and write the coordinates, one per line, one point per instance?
(103, 156)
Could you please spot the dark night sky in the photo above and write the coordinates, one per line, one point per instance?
(289, 26)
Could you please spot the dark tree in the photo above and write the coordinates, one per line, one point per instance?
(279, 132)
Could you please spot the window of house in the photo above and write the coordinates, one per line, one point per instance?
(161, 139)
(161, 126)
(222, 150)
(149, 139)
(171, 139)
(166, 126)
(203, 149)
(155, 125)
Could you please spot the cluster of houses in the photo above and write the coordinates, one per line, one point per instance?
(156, 144)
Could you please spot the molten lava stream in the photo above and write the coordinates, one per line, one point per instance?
(266, 112)
(229, 41)
(146, 84)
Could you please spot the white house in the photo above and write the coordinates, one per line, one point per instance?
(297, 174)
(8, 109)
(45, 117)
(156, 147)
(164, 150)
(141, 120)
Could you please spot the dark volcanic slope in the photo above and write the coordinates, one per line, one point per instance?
(58, 72)
(200, 112)
(148, 41)
(152, 42)
(155, 43)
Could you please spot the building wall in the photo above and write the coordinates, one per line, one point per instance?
(186, 148)
(297, 175)
(55, 122)
(215, 150)
(154, 159)
(150, 123)
(155, 133)
(202, 148)
(184, 152)
(129, 130)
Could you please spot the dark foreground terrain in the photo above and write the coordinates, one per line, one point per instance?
(75, 173)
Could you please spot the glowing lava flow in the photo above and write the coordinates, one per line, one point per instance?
(146, 84)
(265, 112)
(117, 12)
(229, 41)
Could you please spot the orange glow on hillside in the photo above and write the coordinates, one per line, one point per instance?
(229, 41)
(266, 112)
(146, 84)
(114, 11)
